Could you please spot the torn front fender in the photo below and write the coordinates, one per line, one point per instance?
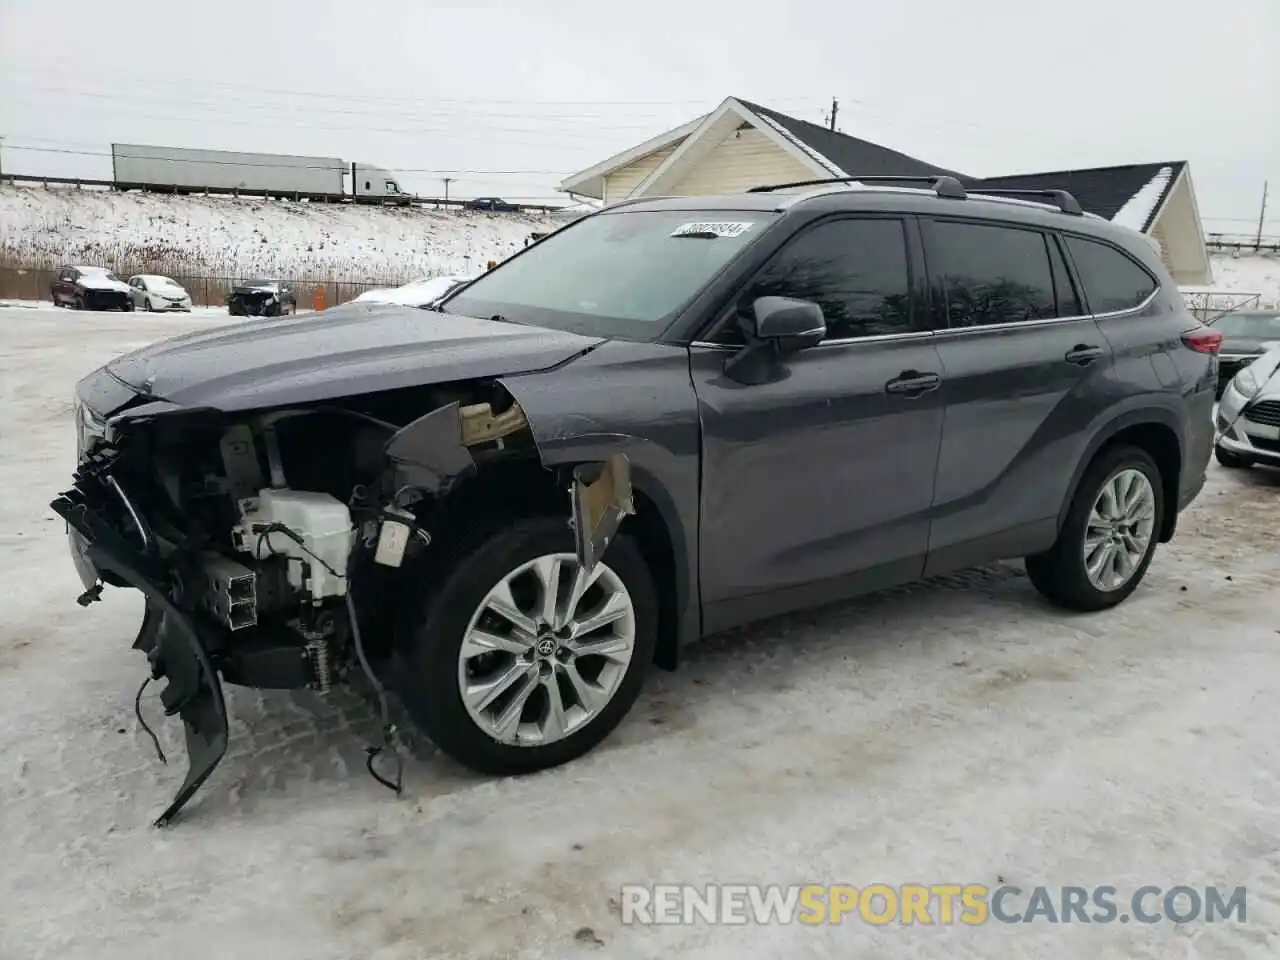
(636, 400)
(434, 451)
(602, 496)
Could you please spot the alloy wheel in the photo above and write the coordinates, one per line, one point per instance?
(546, 650)
(1119, 529)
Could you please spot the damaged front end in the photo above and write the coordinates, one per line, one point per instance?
(268, 544)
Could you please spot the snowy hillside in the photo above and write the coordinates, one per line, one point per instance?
(238, 237)
(1248, 274)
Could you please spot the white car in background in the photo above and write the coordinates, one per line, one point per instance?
(1248, 418)
(415, 293)
(156, 293)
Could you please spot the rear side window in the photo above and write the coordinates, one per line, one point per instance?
(990, 274)
(855, 269)
(1112, 280)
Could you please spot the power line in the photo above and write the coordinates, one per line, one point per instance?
(484, 133)
(435, 115)
(285, 166)
(168, 80)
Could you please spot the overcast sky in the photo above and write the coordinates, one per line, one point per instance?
(542, 88)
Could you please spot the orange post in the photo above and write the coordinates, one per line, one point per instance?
(317, 301)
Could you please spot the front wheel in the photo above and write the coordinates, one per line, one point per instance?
(1232, 461)
(1109, 536)
(519, 662)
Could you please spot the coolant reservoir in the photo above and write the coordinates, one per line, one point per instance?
(322, 522)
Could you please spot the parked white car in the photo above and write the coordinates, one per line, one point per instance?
(1248, 425)
(152, 292)
(415, 293)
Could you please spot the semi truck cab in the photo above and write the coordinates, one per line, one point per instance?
(370, 181)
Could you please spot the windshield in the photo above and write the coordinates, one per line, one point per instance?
(260, 283)
(624, 274)
(1255, 326)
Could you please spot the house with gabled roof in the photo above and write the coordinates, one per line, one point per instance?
(742, 144)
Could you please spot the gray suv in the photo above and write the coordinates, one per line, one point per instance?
(666, 419)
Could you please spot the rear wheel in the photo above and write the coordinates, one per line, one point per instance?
(1232, 461)
(518, 662)
(1109, 536)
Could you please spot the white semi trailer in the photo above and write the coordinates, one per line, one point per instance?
(225, 171)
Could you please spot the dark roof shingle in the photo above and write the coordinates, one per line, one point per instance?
(1100, 190)
(850, 154)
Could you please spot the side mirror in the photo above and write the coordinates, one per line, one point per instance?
(789, 324)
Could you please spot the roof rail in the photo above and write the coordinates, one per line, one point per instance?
(1060, 198)
(947, 187)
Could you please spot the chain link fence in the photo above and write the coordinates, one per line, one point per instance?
(25, 283)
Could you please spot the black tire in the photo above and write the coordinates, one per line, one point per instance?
(1232, 461)
(149, 307)
(427, 677)
(1059, 573)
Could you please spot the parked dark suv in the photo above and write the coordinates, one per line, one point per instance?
(666, 419)
(89, 288)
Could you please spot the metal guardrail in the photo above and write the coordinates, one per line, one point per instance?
(1242, 241)
(167, 188)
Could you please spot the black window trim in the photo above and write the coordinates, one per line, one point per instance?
(914, 248)
(1080, 286)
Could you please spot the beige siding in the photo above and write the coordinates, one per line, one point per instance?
(1158, 235)
(621, 182)
(746, 159)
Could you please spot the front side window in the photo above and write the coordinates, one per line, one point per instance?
(626, 274)
(990, 274)
(854, 269)
(1112, 281)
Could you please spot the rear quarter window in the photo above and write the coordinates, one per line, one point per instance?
(1113, 281)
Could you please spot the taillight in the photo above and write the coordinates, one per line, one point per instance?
(1203, 340)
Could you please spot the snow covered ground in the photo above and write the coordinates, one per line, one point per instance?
(956, 731)
(1248, 274)
(240, 237)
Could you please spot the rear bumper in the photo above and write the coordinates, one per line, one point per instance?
(170, 637)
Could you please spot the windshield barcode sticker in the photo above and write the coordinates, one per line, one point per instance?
(715, 229)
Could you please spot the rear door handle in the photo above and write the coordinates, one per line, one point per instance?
(1083, 354)
(914, 383)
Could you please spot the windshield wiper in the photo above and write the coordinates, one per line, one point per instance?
(700, 235)
(499, 318)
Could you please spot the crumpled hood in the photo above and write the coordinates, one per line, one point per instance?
(351, 349)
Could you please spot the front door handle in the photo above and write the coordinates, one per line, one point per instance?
(913, 383)
(1083, 354)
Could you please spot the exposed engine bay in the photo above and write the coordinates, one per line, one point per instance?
(271, 546)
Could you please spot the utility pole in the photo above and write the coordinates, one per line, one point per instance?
(447, 181)
(1262, 215)
(835, 108)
